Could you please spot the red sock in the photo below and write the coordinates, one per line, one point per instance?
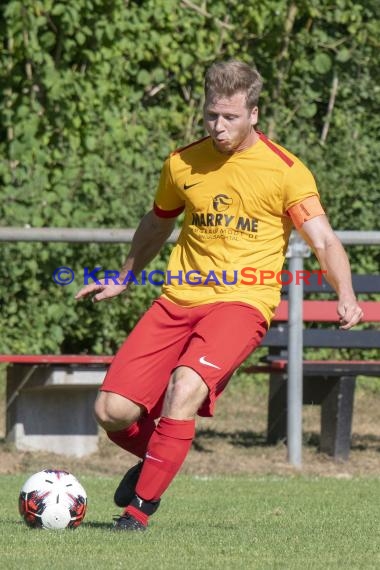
(139, 515)
(135, 438)
(165, 455)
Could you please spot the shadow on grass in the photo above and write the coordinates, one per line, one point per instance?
(366, 442)
(250, 439)
(96, 524)
(236, 438)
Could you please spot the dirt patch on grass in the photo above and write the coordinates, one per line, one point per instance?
(233, 442)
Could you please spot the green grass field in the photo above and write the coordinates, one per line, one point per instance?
(239, 522)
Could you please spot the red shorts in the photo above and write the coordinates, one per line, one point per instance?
(212, 339)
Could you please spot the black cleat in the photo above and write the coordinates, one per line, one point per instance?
(126, 489)
(129, 523)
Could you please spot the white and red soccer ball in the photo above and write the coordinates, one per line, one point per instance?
(52, 499)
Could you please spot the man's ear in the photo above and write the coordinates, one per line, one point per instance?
(254, 116)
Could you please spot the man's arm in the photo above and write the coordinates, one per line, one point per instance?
(333, 259)
(148, 239)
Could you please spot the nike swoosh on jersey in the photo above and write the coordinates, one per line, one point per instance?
(187, 186)
(203, 360)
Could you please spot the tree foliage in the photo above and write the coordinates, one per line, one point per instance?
(93, 96)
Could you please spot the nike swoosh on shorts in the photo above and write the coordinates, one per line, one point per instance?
(203, 360)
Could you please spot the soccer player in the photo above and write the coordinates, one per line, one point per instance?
(241, 195)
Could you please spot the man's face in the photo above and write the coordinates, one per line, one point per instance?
(229, 123)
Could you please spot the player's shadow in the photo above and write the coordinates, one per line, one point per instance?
(97, 524)
(366, 442)
(247, 438)
(359, 442)
(205, 438)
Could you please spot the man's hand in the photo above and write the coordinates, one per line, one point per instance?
(350, 313)
(104, 290)
(333, 260)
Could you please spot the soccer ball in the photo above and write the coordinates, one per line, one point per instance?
(52, 499)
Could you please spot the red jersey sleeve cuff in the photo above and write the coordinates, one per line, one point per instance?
(167, 213)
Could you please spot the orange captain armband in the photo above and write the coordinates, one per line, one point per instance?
(306, 210)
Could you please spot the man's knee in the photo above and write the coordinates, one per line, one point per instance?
(185, 394)
(114, 412)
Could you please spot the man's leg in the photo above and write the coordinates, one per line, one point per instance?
(133, 390)
(114, 412)
(125, 422)
(169, 444)
(171, 441)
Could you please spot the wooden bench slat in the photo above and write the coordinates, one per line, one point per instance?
(321, 367)
(325, 338)
(325, 311)
(363, 284)
(55, 359)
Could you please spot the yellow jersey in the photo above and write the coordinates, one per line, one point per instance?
(236, 227)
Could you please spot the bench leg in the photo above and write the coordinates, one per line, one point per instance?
(336, 397)
(336, 417)
(277, 408)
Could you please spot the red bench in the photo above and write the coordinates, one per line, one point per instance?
(328, 383)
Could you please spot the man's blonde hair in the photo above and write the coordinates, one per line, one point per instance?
(226, 78)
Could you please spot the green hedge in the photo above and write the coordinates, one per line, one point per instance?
(93, 96)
